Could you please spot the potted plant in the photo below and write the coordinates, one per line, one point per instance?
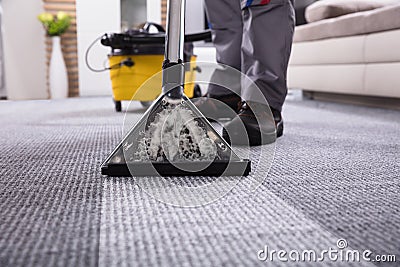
(55, 26)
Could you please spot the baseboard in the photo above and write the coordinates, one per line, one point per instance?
(370, 101)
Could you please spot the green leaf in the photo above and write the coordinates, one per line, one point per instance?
(55, 25)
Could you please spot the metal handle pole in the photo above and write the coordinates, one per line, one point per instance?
(173, 69)
(175, 31)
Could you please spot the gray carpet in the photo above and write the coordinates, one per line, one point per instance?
(335, 175)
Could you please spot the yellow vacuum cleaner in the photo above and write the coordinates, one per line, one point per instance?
(132, 63)
(126, 80)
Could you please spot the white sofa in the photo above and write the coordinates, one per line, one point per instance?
(356, 54)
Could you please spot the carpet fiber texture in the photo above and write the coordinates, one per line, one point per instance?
(336, 175)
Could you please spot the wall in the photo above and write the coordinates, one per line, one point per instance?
(24, 50)
(194, 16)
(94, 18)
(133, 13)
(154, 11)
(3, 92)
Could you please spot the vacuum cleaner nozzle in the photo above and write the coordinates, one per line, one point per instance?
(174, 139)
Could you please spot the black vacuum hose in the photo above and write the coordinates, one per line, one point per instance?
(202, 36)
(157, 38)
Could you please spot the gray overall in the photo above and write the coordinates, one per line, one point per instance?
(254, 37)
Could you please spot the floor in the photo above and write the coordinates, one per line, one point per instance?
(335, 175)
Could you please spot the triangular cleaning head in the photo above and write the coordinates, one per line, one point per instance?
(174, 139)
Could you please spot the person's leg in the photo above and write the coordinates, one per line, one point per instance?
(225, 18)
(268, 27)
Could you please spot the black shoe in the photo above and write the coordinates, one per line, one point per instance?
(216, 107)
(278, 122)
(246, 130)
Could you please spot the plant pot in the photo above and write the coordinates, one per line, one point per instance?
(58, 79)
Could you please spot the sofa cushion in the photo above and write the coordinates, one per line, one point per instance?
(382, 79)
(334, 8)
(378, 79)
(377, 20)
(339, 78)
(382, 47)
(346, 50)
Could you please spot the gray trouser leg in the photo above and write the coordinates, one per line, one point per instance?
(225, 17)
(256, 40)
(267, 41)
